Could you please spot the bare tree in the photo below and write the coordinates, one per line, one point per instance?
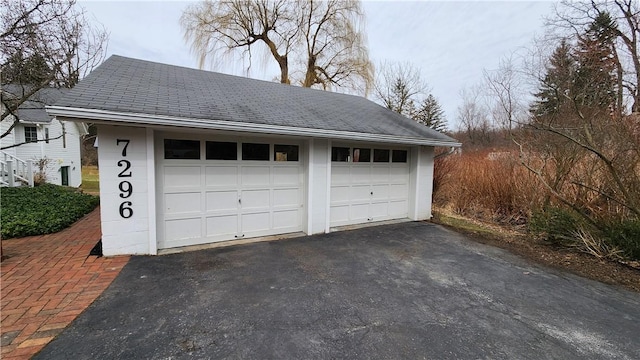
(336, 46)
(399, 86)
(231, 27)
(324, 39)
(504, 86)
(48, 37)
(473, 115)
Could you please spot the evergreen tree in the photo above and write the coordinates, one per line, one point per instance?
(431, 114)
(556, 89)
(595, 79)
(19, 69)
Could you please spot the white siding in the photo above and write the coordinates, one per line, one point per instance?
(55, 150)
(135, 235)
(9, 139)
(124, 235)
(319, 151)
(421, 183)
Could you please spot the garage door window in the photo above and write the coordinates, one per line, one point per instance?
(285, 152)
(340, 154)
(181, 149)
(399, 156)
(361, 155)
(381, 155)
(251, 151)
(217, 150)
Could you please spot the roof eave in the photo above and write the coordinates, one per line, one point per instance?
(83, 115)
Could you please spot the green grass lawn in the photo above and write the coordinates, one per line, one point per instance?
(90, 180)
(42, 209)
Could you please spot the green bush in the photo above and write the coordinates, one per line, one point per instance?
(41, 210)
(560, 226)
(626, 236)
(555, 225)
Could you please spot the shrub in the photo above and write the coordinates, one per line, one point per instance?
(556, 225)
(491, 186)
(41, 210)
(626, 236)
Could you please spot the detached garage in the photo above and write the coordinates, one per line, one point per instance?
(190, 157)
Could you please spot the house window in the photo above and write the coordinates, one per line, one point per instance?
(46, 135)
(181, 149)
(217, 150)
(381, 155)
(285, 152)
(252, 151)
(361, 155)
(30, 134)
(399, 156)
(340, 154)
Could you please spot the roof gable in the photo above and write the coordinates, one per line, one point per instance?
(129, 86)
(33, 110)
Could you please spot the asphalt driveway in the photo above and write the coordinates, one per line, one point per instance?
(412, 290)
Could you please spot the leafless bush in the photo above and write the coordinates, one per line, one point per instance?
(591, 244)
(41, 175)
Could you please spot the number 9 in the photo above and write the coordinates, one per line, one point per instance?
(126, 188)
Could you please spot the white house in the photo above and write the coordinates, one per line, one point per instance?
(191, 157)
(42, 136)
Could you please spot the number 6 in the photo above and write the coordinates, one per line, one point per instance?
(125, 209)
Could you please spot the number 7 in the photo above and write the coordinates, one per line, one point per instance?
(126, 143)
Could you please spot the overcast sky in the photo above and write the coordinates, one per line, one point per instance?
(450, 42)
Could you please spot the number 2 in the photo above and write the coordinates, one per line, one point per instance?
(127, 166)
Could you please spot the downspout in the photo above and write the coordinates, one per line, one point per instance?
(451, 151)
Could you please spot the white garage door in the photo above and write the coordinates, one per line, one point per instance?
(214, 191)
(368, 184)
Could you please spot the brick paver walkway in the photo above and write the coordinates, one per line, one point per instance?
(47, 281)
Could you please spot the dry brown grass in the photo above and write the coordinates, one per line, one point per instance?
(487, 185)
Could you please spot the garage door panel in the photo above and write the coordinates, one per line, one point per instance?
(339, 215)
(379, 211)
(182, 203)
(398, 208)
(359, 212)
(176, 177)
(222, 200)
(340, 175)
(203, 201)
(256, 175)
(256, 222)
(359, 193)
(380, 192)
(286, 197)
(221, 176)
(286, 219)
(380, 174)
(399, 172)
(340, 194)
(360, 174)
(362, 192)
(398, 191)
(222, 225)
(286, 175)
(256, 199)
(181, 229)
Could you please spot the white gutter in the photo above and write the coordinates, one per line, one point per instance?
(78, 114)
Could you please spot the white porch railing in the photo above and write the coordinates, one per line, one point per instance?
(15, 171)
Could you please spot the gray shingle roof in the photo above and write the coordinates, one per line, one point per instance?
(126, 85)
(33, 110)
